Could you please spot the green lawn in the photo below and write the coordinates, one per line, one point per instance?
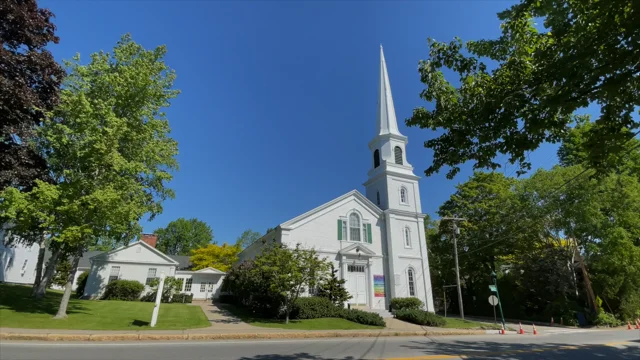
(19, 310)
(466, 324)
(306, 324)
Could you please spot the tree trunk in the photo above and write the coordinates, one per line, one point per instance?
(41, 289)
(286, 317)
(62, 309)
(39, 265)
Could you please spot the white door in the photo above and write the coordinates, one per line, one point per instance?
(356, 284)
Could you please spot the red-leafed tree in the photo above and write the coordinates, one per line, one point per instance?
(29, 86)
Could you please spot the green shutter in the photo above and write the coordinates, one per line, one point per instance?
(339, 229)
(369, 239)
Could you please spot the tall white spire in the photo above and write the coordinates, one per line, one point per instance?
(387, 123)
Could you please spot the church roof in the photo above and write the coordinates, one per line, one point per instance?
(353, 193)
(386, 117)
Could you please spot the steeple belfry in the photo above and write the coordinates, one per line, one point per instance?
(387, 122)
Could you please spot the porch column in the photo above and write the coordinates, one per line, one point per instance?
(370, 281)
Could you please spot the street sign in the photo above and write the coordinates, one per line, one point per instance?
(493, 300)
(493, 288)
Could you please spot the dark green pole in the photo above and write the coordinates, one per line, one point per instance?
(495, 283)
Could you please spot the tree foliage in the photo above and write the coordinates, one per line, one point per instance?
(220, 257)
(333, 288)
(30, 81)
(247, 238)
(109, 153)
(182, 236)
(587, 53)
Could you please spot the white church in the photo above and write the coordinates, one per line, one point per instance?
(377, 240)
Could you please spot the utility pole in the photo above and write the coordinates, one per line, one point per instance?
(455, 252)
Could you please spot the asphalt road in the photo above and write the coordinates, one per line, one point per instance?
(600, 345)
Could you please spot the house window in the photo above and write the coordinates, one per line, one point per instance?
(344, 229)
(203, 286)
(354, 227)
(24, 264)
(364, 233)
(151, 274)
(355, 268)
(403, 195)
(187, 286)
(397, 152)
(376, 158)
(412, 284)
(9, 262)
(181, 281)
(210, 286)
(407, 237)
(115, 272)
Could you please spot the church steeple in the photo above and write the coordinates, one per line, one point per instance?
(387, 122)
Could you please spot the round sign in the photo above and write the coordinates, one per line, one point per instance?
(493, 300)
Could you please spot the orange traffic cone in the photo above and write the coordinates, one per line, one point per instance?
(628, 325)
(638, 324)
(502, 332)
(521, 331)
(535, 332)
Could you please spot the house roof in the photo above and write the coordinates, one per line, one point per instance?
(84, 260)
(141, 243)
(208, 270)
(353, 193)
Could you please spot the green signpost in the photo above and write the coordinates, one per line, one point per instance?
(494, 288)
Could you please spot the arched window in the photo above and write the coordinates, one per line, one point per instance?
(397, 152)
(403, 195)
(378, 197)
(407, 237)
(412, 283)
(376, 158)
(354, 227)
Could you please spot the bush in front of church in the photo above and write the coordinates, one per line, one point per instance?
(420, 317)
(314, 307)
(402, 303)
(362, 317)
(128, 290)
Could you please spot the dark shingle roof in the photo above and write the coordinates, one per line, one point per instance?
(183, 261)
(84, 260)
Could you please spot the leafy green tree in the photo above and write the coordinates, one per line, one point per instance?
(181, 236)
(289, 272)
(333, 288)
(247, 238)
(220, 257)
(62, 273)
(523, 88)
(108, 149)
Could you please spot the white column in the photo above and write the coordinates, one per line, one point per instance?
(156, 308)
(370, 281)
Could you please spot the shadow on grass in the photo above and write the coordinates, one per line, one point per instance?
(301, 356)
(18, 298)
(140, 323)
(237, 314)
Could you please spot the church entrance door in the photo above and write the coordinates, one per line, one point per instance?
(357, 284)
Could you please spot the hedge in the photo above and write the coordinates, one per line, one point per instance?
(406, 303)
(313, 308)
(182, 298)
(420, 317)
(128, 290)
(362, 317)
(82, 283)
(228, 299)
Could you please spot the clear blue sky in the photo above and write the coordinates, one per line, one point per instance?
(278, 99)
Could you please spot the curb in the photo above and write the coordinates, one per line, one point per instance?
(239, 336)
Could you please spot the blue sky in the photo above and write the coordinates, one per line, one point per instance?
(278, 99)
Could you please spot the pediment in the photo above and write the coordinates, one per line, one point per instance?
(209, 270)
(355, 249)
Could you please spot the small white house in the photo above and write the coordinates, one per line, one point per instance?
(17, 261)
(142, 262)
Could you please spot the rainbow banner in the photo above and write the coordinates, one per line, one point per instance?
(378, 285)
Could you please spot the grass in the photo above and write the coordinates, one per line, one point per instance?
(455, 323)
(305, 324)
(19, 310)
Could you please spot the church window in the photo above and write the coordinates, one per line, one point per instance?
(407, 237)
(403, 195)
(397, 152)
(364, 233)
(412, 283)
(378, 197)
(376, 158)
(354, 227)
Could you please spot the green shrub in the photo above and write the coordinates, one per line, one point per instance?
(606, 319)
(420, 317)
(362, 317)
(182, 298)
(313, 308)
(128, 290)
(406, 303)
(228, 299)
(82, 283)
